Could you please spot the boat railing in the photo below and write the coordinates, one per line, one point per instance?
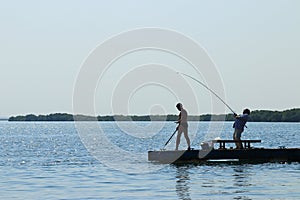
(247, 143)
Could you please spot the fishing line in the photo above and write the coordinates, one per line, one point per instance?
(209, 90)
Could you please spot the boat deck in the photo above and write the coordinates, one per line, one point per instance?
(248, 154)
(242, 155)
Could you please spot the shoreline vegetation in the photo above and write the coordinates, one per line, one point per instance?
(291, 115)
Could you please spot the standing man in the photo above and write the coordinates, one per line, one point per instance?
(182, 126)
(239, 124)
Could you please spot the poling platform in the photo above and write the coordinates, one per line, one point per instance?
(246, 155)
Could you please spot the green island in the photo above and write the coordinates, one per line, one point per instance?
(291, 115)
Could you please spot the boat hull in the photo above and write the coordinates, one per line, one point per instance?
(252, 155)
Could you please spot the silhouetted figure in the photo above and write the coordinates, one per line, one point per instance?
(239, 124)
(182, 126)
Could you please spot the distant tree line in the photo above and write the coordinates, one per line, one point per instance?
(292, 115)
(51, 117)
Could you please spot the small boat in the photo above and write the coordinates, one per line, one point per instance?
(209, 154)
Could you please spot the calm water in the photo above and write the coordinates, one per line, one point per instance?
(63, 161)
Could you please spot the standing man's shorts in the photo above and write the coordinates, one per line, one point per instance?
(237, 134)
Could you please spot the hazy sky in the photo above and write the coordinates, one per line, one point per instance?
(255, 45)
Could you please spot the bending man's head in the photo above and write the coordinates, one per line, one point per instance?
(246, 111)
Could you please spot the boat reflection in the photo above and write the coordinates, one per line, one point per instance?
(231, 180)
(241, 180)
(182, 183)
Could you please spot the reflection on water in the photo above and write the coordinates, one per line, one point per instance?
(182, 183)
(241, 180)
(49, 160)
(231, 181)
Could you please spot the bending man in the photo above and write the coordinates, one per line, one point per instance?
(182, 126)
(239, 124)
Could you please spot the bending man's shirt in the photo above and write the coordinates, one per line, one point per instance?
(240, 121)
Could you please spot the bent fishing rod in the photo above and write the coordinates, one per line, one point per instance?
(209, 90)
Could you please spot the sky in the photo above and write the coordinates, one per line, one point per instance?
(255, 46)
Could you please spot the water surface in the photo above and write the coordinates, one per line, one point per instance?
(47, 160)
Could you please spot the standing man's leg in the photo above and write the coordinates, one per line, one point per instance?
(178, 137)
(187, 138)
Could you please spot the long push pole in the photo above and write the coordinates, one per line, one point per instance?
(170, 138)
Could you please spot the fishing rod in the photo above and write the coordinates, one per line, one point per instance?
(209, 90)
(234, 113)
